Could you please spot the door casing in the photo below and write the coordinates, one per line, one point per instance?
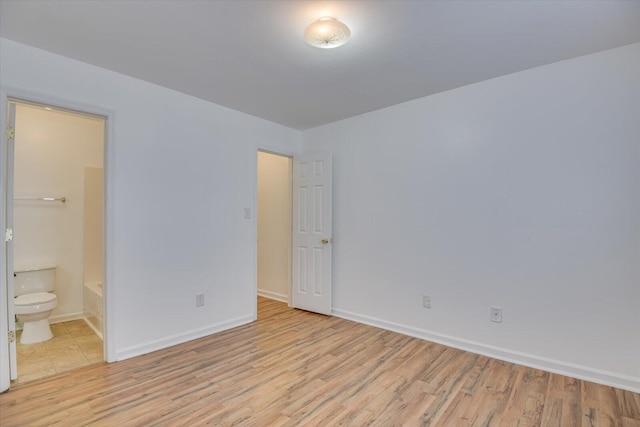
(254, 234)
(257, 212)
(8, 94)
(253, 154)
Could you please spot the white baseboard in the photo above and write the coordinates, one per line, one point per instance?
(532, 361)
(273, 295)
(148, 347)
(58, 319)
(93, 328)
(66, 317)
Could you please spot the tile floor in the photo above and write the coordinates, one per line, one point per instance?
(74, 344)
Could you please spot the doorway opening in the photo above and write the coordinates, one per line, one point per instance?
(55, 204)
(274, 223)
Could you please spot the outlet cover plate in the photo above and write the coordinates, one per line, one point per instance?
(199, 300)
(426, 301)
(496, 315)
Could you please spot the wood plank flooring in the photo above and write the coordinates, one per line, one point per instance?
(297, 368)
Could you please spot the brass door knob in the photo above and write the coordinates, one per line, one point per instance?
(325, 241)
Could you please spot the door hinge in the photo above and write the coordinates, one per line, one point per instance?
(11, 132)
(8, 235)
(12, 336)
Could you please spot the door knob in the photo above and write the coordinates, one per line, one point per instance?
(325, 241)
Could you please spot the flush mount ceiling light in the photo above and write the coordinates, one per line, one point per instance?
(327, 33)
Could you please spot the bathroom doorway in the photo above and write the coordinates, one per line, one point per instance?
(57, 202)
(274, 225)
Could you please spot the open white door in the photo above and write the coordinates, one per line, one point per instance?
(8, 363)
(312, 240)
(9, 212)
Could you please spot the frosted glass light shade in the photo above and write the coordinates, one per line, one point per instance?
(327, 33)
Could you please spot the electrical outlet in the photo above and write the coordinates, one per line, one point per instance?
(426, 301)
(199, 300)
(496, 314)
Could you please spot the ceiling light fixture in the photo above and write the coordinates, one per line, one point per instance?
(327, 33)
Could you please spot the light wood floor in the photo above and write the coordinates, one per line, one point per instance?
(298, 368)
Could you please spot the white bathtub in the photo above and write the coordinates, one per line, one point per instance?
(93, 306)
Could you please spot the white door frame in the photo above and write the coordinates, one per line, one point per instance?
(290, 208)
(5, 366)
(254, 219)
(9, 93)
(7, 264)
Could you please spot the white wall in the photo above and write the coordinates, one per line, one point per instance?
(520, 192)
(51, 150)
(184, 170)
(274, 226)
(93, 224)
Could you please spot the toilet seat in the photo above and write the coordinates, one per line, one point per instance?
(34, 299)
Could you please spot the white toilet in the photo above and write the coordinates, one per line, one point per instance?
(33, 302)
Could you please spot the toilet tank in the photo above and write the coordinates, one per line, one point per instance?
(34, 279)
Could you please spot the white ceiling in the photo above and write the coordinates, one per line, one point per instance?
(249, 55)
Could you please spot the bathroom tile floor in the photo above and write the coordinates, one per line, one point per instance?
(74, 344)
